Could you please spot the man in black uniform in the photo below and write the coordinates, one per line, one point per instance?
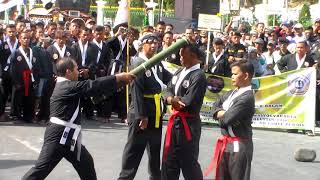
(62, 138)
(234, 110)
(24, 78)
(185, 93)
(84, 54)
(118, 45)
(59, 49)
(103, 56)
(46, 78)
(218, 64)
(145, 115)
(235, 50)
(8, 48)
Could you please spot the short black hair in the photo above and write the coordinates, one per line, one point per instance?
(61, 23)
(237, 33)
(283, 40)
(304, 42)
(191, 29)
(99, 29)
(107, 25)
(195, 50)
(85, 29)
(52, 24)
(218, 41)
(260, 23)
(245, 67)
(169, 25)
(11, 26)
(60, 34)
(162, 23)
(309, 28)
(64, 64)
(168, 32)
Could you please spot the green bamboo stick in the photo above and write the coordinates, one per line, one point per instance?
(159, 57)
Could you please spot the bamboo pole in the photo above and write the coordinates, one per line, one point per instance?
(128, 57)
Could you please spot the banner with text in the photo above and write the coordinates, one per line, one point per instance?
(285, 101)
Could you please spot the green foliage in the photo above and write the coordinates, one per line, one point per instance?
(167, 4)
(304, 16)
(137, 3)
(136, 15)
(276, 19)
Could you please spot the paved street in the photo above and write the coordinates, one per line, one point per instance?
(273, 152)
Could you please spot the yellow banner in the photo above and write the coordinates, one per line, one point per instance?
(285, 101)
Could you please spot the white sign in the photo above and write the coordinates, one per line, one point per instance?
(209, 22)
(235, 5)
(224, 7)
(275, 6)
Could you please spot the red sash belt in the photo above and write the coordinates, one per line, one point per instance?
(26, 79)
(183, 116)
(218, 153)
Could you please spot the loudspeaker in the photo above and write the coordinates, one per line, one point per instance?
(79, 5)
(205, 7)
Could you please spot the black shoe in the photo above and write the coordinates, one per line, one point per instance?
(292, 130)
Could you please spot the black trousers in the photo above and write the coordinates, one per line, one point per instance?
(117, 103)
(7, 90)
(44, 109)
(317, 109)
(52, 153)
(138, 140)
(21, 104)
(87, 106)
(102, 109)
(237, 165)
(183, 154)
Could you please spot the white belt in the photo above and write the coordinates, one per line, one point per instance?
(76, 138)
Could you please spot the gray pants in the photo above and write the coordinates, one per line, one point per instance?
(237, 165)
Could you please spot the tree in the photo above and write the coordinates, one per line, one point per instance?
(304, 16)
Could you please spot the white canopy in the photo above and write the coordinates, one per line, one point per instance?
(40, 11)
(7, 4)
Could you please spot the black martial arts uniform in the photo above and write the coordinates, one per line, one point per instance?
(118, 64)
(146, 93)
(46, 80)
(84, 55)
(219, 65)
(24, 80)
(7, 51)
(57, 53)
(235, 146)
(102, 57)
(60, 139)
(181, 147)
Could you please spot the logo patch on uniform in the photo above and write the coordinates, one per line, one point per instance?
(306, 64)
(55, 56)
(174, 79)
(6, 46)
(19, 58)
(68, 54)
(34, 59)
(173, 56)
(148, 73)
(185, 84)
